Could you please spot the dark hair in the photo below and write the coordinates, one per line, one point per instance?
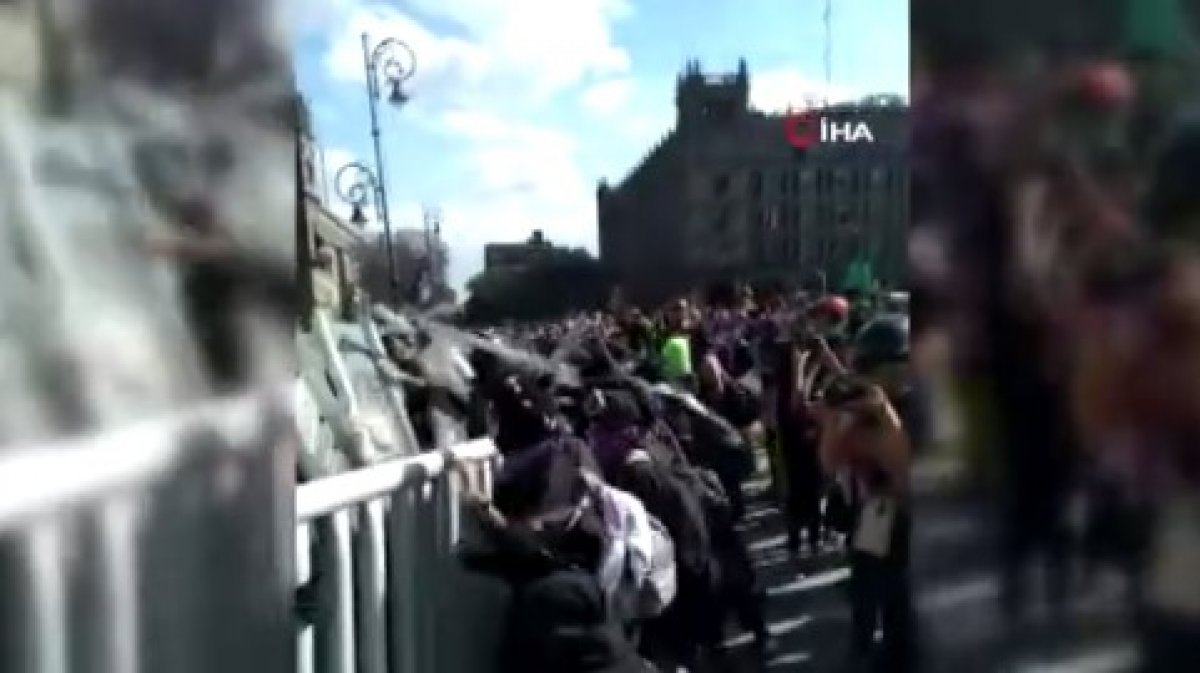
(1126, 272)
(1173, 201)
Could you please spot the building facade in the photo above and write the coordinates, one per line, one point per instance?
(726, 194)
(332, 242)
(500, 256)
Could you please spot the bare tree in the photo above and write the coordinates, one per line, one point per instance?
(420, 279)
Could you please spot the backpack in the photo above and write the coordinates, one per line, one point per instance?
(684, 512)
(661, 584)
(742, 406)
(705, 484)
(741, 358)
(638, 565)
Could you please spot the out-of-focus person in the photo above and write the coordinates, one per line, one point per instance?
(864, 441)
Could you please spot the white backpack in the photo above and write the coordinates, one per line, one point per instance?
(659, 585)
(640, 557)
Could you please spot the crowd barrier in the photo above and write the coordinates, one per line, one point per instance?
(78, 523)
(389, 595)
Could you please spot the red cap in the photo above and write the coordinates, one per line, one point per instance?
(833, 305)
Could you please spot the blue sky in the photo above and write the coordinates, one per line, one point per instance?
(520, 106)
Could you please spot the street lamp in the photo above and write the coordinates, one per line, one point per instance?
(357, 185)
(390, 63)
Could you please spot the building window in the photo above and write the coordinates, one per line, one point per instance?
(721, 185)
(721, 224)
(756, 184)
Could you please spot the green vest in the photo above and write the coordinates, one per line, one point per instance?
(677, 357)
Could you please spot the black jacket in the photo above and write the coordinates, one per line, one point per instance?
(560, 623)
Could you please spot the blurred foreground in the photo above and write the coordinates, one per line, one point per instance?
(1054, 242)
(146, 153)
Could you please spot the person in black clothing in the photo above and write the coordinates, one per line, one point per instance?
(798, 450)
(632, 461)
(715, 574)
(731, 461)
(545, 539)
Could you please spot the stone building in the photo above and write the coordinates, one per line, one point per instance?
(332, 241)
(497, 256)
(726, 195)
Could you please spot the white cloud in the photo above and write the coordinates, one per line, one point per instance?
(524, 50)
(525, 54)
(551, 44)
(607, 97)
(309, 17)
(779, 89)
(526, 177)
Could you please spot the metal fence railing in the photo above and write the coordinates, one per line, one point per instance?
(88, 524)
(374, 547)
(376, 559)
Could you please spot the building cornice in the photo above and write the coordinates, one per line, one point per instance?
(331, 228)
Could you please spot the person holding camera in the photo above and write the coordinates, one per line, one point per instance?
(806, 359)
(797, 434)
(864, 439)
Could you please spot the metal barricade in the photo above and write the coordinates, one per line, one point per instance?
(376, 547)
(99, 537)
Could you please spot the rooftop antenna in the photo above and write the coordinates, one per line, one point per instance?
(828, 19)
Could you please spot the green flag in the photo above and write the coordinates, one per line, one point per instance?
(1157, 28)
(859, 276)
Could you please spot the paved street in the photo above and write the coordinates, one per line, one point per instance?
(957, 591)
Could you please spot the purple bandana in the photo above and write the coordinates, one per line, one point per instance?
(613, 445)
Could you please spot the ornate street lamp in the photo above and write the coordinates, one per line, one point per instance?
(390, 63)
(357, 186)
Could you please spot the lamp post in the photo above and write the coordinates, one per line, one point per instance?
(433, 236)
(390, 63)
(358, 186)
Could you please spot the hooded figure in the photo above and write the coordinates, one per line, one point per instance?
(547, 538)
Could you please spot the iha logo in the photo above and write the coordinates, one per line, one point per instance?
(808, 128)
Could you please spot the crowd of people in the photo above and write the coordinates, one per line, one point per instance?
(616, 516)
(1054, 260)
(1054, 238)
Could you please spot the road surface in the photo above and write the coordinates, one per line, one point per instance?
(956, 590)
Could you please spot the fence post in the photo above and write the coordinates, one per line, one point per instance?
(335, 643)
(48, 623)
(119, 562)
(428, 590)
(401, 587)
(370, 574)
